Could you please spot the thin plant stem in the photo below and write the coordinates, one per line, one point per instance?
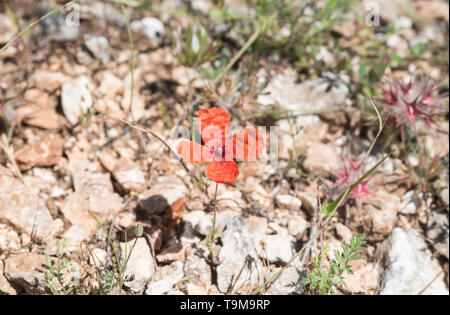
(215, 209)
(213, 233)
(336, 204)
(148, 131)
(112, 246)
(430, 283)
(244, 48)
(30, 26)
(132, 65)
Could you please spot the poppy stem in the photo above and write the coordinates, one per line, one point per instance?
(213, 233)
(215, 211)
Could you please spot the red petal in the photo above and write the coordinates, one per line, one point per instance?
(193, 152)
(248, 144)
(224, 172)
(214, 126)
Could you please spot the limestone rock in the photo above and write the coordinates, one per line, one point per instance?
(93, 192)
(409, 266)
(26, 270)
(165, 279)
(141, 264)
(76, 98)
(239, 261)
(23, 209)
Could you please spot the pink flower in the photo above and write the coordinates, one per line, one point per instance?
(349, 174)
(411, 102)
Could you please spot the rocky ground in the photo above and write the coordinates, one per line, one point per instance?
(68, 163)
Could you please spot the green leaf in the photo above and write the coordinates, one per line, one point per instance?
(306, 281)
(355, 257)
(48, 261)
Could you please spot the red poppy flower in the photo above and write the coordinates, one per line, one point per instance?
(219, 149)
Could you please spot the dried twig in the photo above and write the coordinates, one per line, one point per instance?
(9, 151)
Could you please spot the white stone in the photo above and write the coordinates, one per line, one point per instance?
(321, 159)
(204, 225)
(141, 264)
(196, 269)
(76, 98)
(151, 28)
(130, 176)
(410, 266)
(288, 202)
(410, 203)
(110, 84)
(9, 239)
(343, 232)
(165, 279)
(22, 208)
(93, 192)
(98, 258)
(257, 225)
(98, 46)
(25, 270)
(287, 283)
(239, 261)
(297, 226)
(74, 236)
(275, 248)
(381, 212)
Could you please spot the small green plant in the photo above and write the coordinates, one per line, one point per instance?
(196, 47)
(323, 280)
(54, 276)
(328, 211)
(121, 264)
(106, 282)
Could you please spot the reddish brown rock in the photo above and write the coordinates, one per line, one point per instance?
(46, 153)
(48, 80)
(37, 111)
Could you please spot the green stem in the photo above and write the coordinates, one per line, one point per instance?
(30, 26)
(244, 48)
(215, 210)
(111, 243)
